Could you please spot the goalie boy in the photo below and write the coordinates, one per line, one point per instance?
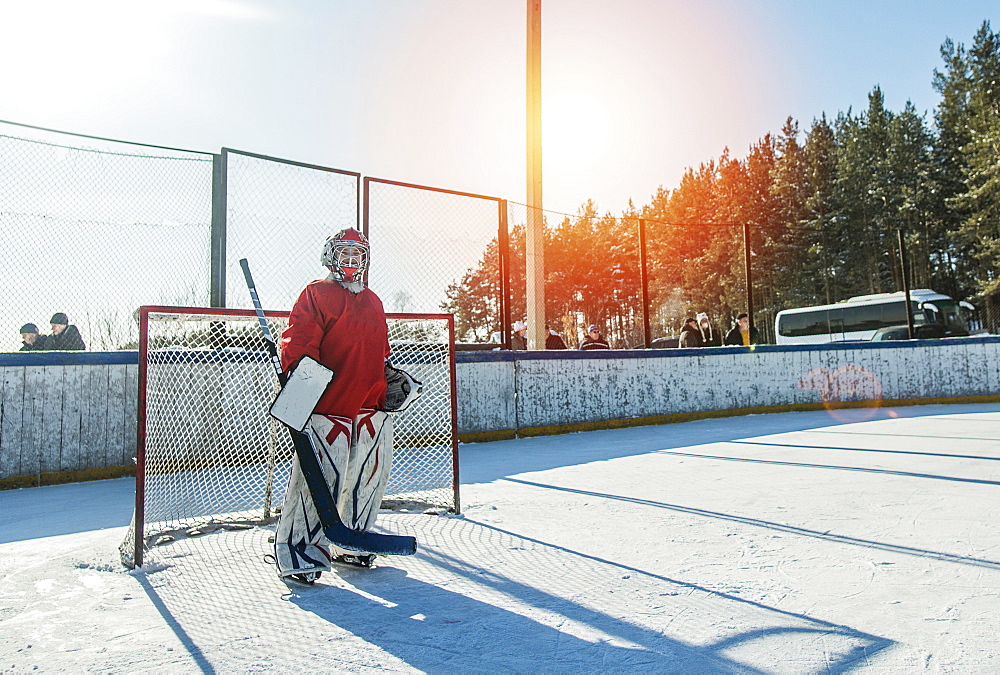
(341, 323)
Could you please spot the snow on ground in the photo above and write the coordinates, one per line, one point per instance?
(802, 542)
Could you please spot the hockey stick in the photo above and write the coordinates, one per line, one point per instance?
(334, 528)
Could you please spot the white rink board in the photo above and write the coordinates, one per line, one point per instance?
(553, 388)
(569, 388)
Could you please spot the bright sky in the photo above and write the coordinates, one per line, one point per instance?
(432, 92)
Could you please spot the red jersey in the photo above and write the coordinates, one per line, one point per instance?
(346, 333)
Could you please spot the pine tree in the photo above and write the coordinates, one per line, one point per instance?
(475, 300)
(907, 193)
(952, 254)
(863, 197)
(820, 207)
(981, 199)
(790, 187)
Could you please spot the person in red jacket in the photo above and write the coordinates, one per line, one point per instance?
(341, 323)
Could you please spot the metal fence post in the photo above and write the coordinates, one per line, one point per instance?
(644, 281)
(905, 267)
(503, 253)
(217, 292)
(365, 197)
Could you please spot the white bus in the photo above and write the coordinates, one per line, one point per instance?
(859, 317)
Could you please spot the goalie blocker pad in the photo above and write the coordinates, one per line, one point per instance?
(402, 389)
(303, 390)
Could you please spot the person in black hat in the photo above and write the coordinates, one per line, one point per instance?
(64, 336)
(32, 340)
(690, 335)
(742, 333)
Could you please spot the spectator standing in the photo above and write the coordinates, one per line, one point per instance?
(710, 336)
(690, 335)
(742, 334)
(594, 340)
(31, 340)
(64, 336)
(518, 339)
(553, 340)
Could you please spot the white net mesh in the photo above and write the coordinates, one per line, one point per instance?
(209, 452)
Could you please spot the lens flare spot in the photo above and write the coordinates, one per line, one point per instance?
(848, 393)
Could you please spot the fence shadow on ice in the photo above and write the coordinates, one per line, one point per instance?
(787, 529)
(500, 459)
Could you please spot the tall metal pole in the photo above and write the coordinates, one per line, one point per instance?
(534, 235)
(644, 282)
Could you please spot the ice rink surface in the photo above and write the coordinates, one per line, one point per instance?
(863, 540)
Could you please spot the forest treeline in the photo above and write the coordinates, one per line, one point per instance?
(824, 206)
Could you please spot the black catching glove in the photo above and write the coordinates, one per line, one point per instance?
(402, 389)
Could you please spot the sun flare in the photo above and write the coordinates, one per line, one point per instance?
(576, 131)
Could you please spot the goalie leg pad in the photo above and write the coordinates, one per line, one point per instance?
(367, 470)
(299, 543)
(356, 457)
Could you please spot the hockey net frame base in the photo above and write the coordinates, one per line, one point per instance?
(209, 455)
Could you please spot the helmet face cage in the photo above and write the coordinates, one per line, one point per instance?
(346, 254)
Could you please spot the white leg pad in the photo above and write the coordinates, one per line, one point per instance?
(356, 456)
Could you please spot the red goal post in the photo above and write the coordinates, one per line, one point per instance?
(208, 454)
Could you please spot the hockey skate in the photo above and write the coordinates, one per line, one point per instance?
(356, 559)
(307, 578)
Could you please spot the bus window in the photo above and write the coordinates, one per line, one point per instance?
(803, 324)
(862, 317)
(969, 316)
(947, 314)
(836, 319)
(894, 314)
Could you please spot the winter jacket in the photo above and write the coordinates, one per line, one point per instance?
(518, 341)
(710, 336)
(590, 343)
(690, 337)
(554, 341)
(734, 337)
(348, 334)
(69, 339)
(41, 343)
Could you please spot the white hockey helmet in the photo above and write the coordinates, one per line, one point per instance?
(346, 254)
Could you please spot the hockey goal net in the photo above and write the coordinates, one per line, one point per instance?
(208, 452)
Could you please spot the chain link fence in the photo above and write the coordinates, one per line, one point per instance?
(278, 215)
(95, 228)
(437, 250)
(627, 276)
(684, 281)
